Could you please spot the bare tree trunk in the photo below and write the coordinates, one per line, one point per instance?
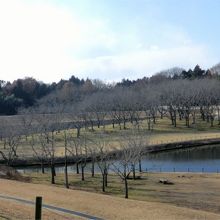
(174, 118)
(202, 113)
(42, 166)
(113, 123)
(133, 170)
(207, 118)
(103, 182)
(218, 117)
(82, 172)
(106, 179)
(66, 168)
(119, 123)
(93, 168)
(187, 120)
(171, 116)
(154, 119)
(212, 121)
(180, 115)
(124, 124)
(53, 174)
(66, 174)
(140, 168)
(78, 132)
(126, 187)
(77, 168)
(92, 125)
(131, 119)
(194, 117)
(148, 123)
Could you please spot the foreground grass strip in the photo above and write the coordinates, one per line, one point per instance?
(66, 211)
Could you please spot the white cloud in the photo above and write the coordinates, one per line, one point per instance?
(145, 62)
(34, 40)
(50, 42)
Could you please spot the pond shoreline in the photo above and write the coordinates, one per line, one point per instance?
(33, 162)
(181, 145)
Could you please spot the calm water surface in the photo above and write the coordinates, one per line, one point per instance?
(199, 159)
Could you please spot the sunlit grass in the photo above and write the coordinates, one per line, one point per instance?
(188, 190)
(163, 132)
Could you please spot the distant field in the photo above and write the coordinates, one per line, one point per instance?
(163, 132)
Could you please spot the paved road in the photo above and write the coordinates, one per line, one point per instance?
(54, 208)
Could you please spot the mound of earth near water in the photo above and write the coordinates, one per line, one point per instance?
(7, 172)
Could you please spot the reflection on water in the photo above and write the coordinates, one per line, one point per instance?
(198, 159)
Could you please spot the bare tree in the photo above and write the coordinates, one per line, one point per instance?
(38, 150)
(124, 164)
(137, 142)
(103, 160)
(66, 158)
(46, 139)
(78, 148)
(74, 118)
(83, 155)
(73, 148)
(11, 137)
(92, 154)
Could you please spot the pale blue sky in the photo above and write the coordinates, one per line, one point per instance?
(106, 39)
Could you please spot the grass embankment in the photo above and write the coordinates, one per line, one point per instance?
(104, 206)
(196, 191)
(163, 132)
(14, 211)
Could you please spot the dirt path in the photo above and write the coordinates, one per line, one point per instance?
(106, 207)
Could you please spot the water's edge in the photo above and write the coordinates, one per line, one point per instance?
(148, 149)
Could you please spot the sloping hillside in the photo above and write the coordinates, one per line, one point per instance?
(103, 206)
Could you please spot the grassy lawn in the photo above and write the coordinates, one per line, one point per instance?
(197, 191)
(10, 210)
(100, 205)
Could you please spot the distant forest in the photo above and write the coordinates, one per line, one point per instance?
(27, 92)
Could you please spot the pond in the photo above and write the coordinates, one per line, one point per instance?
(196, 159)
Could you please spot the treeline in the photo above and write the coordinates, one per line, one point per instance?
(28, 92)
(21, 93)
(167, 95)
(176, 99)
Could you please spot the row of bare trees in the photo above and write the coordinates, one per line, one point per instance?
(176, 99)
(44, 140)
(122, 162)
(185, 100)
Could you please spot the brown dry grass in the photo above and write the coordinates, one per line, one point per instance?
(15, 211)
(163, 132)
(191, 190)
(107, 207)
